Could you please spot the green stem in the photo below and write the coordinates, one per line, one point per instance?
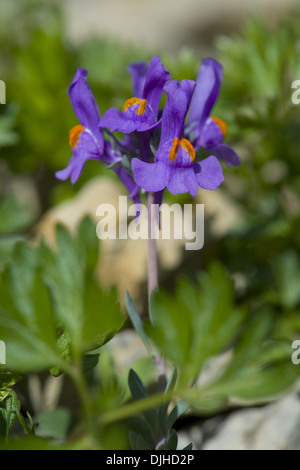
(27, 429)
(153, 285)
(152, 254)
(77, 376)
(135, 407)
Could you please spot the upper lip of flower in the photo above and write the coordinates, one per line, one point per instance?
(204, 130)
(175, 166)
(85, 106)
(208, 85)
(174, 114)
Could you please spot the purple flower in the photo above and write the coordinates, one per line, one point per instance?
(86, 139)
(140, 113)
(175, 165)
(204, 130)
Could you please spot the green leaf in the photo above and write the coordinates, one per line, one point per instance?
(196, 322)
(136, 386)
(63, 274)
(28, 329)
(141, 444)
(260, 370)
(53, 424)
(163, 409)
(179, 409)
(251, 341)
(7, 245)
(103, 318)
(89, 361)
(172, 379)
(14, 216)
(7, 380)
(138, 392)
(188, 447)
(51, 305)
(8, 414)
(7, 122)
(172, 441)
(88, 243)
(287, 277)
(132, 439)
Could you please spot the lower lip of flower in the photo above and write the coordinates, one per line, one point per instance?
(132, 101)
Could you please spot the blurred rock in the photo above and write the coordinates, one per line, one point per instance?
(273, 427)
(223, 213)
(192, 435)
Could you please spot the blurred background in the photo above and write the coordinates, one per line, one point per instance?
(252, 222)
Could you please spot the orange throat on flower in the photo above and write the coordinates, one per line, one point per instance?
(221, 124)
(132, 101)
(186, 145)
(74, 135)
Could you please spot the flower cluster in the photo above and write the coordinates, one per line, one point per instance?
(160, 148)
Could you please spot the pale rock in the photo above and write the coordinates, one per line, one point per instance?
(272, 427)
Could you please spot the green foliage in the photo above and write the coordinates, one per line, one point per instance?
(155, 427)
(260, 370)
(259, 69)
(54, 424)
(7, 123)
(7, 380)
(202, 321)
(138, 324)
(44, 292)
(16, 217)
(8, 414)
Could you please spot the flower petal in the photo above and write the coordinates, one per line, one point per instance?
(150, 176)
(156, 78)
(113, 119)
(66, 172)
(211, 136)
(226, 154)
(138, 72)
(84, 104)
(209, 173)
(86, 149)
(175, 110)
(183, 180)
(206, 93)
